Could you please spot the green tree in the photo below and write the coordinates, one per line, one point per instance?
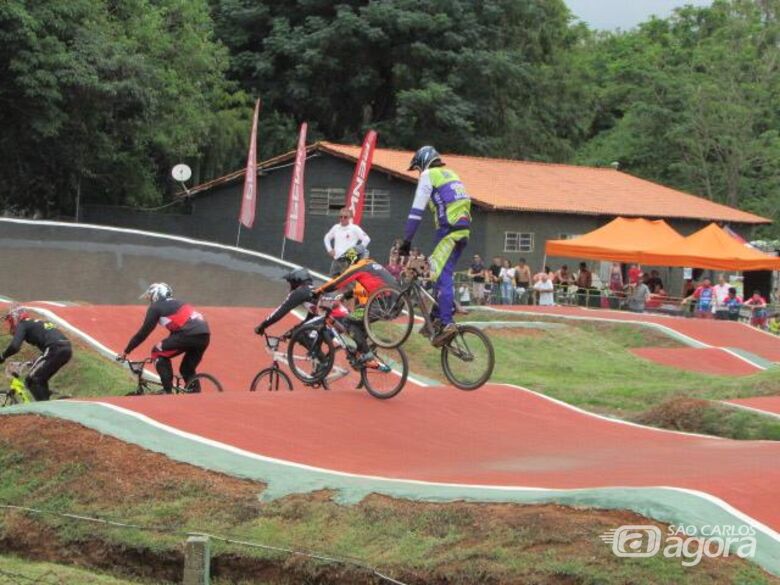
(100, 98)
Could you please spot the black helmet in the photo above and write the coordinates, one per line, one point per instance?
(298, 277)
(354, 254)
(423, 158)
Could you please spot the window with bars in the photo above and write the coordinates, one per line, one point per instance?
(518, 242)
(328, 201)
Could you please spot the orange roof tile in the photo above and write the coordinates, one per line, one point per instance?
(557, 188)
(542, 187)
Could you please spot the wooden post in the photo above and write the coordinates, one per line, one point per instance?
(197, 560)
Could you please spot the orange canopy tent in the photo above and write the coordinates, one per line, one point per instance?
(621, 240)
(713, 248)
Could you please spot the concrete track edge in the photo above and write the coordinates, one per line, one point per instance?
(666, 504)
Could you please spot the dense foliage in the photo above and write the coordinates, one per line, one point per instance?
(101, 97)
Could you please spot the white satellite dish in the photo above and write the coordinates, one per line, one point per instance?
(181, 173)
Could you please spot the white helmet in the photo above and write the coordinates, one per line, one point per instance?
(157, 291)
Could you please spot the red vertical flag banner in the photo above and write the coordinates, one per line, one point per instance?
(356, 196)
(249, 197)
(296, 208)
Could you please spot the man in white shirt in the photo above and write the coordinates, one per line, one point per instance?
(721, 292)
(341, 237)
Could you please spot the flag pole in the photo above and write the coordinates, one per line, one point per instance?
(284, 241)
(238, 235)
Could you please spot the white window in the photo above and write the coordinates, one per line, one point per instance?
(518, 242)
(568, 236)
(328, 201)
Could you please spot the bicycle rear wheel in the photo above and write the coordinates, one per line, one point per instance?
(203, 384)
(310, 354)
(386, 384)
(388, 317)
(271, 379)
(468, 358)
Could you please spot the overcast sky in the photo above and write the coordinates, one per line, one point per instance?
(625, 14)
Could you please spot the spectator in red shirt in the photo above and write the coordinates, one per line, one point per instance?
(758, 305)
(634, 272)
(705, 299)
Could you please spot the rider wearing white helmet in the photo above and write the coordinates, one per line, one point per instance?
(190, 334)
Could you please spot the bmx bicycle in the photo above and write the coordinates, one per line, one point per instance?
(467, 358)
(311, 354)
(17, 392)
(200, 383)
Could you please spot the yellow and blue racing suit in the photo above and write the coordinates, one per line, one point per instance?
(442, 190)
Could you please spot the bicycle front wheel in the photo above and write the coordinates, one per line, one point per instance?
(203, 384)
(388, 375)
(468, 359)
(388, 317)
(310, 354)
(271, 379)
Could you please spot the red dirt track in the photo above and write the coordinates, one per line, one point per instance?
(495, 436)
(711, 360)
(765, 403)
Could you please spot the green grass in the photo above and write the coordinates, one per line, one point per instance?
(87, 374)
(14, 570)
(455, 543)
(591, 366)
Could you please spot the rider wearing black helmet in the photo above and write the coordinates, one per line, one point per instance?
(301, 292)
(442, 191)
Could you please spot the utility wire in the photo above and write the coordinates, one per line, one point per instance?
(289, 551)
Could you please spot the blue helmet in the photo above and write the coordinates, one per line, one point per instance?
(423, 158)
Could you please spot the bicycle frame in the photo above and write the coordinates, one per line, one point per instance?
(420, 296)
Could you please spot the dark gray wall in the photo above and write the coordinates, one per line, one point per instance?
(213, 216)
(73, 262)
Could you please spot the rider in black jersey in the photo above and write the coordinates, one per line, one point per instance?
(55, 347)
(190, 334)
(364, 273)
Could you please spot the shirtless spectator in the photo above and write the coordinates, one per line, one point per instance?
(522, 280)
(562, 277)
(584, 282)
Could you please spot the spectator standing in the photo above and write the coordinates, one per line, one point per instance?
(507, 283)
(757, 304)
(721, 292)
(638, 297)
(562, 276)
(584, 282)
(494, 278)
(341, 237)
(544, 286)
(731, 305)
(705, 299)
(394, 266)
(522, 280)
(634, 274)
(654, 282)
(477, 275)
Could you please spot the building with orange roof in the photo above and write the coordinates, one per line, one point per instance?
(518, 205)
